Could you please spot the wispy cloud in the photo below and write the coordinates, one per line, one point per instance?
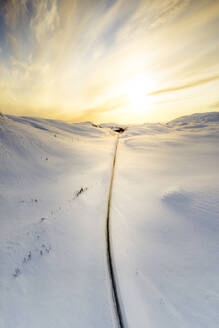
(14, 12)
(93, 112)
(46, 18)
(184, 86)
(215, 105)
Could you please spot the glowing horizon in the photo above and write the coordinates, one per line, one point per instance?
(109, 60)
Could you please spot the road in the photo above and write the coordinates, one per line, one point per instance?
(113, 281)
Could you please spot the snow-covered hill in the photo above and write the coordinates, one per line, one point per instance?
(165, 223)
(54, 180)
(54, 184)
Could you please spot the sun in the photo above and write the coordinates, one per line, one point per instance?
(136, 90)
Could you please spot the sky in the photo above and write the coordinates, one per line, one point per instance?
(127, 61)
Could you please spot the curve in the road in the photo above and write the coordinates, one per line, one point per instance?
(115, 295)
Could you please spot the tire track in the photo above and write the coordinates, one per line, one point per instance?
(114, 289)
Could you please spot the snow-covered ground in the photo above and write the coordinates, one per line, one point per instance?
(53, 269)
(54, 185)
(165, 223)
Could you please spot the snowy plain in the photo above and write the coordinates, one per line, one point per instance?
(54, 185)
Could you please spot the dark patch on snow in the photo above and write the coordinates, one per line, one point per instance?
(43, 219)
(119, 130)
(80, 191)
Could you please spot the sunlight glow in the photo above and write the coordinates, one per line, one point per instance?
(137, 89)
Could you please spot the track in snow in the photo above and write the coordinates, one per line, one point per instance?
(114, 288)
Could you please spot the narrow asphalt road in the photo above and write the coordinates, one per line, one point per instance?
(114, 288)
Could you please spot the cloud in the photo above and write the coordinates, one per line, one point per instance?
(184, 86)
(46, 18)
(165, 11)
(172, 9)
(93, 112)
(14, 11)
(215, 105)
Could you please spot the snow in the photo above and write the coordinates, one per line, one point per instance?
(165, 223)
(52, 240)
(54, 185)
